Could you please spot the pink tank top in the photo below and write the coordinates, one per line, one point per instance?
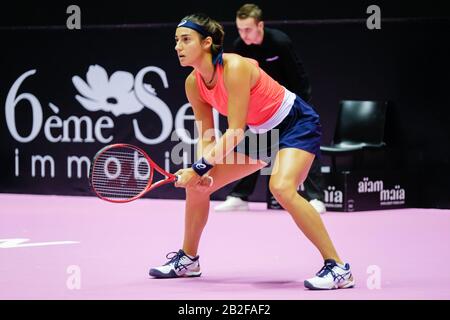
(266, 96)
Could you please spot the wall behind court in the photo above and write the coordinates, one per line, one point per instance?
(124, 84)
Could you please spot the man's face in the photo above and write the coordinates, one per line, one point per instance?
(250, 31)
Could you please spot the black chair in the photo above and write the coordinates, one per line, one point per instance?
(360, 126)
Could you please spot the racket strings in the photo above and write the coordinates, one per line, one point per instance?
(120, 174)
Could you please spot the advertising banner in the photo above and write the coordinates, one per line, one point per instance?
(66, 94)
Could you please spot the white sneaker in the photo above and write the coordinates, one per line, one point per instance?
(179, 265)
(232, 204)
(318, 205)
(331, 276)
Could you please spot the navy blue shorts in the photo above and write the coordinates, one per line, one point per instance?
(301, 129)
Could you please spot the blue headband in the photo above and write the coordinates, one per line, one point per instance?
(194, 26)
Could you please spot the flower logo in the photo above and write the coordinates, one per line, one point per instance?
(114, 94)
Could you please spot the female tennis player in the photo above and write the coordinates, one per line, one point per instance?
(239, 89)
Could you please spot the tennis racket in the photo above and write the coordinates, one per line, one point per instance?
(123, 173)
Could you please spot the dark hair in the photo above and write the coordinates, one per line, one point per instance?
(213, 27)
(250, 10)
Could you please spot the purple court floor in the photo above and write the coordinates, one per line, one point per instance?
(85, 248)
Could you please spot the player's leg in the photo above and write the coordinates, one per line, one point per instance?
(185, 262)
(197, 201)
(291, 168)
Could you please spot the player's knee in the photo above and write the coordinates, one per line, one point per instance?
(282, 190)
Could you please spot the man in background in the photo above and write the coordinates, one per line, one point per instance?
(274, 51)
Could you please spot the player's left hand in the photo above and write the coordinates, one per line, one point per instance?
(189, 178)
(186, 178)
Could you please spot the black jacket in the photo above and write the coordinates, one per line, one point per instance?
(277, 57)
